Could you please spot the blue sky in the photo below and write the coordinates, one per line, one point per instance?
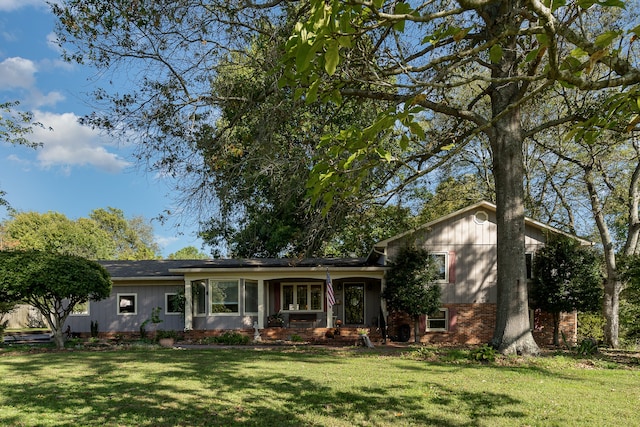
(77, 169)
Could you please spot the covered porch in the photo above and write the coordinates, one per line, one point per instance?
(278, 294)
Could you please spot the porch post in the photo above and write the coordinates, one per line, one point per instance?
(188, 306)
(261, 303)
(383, 308)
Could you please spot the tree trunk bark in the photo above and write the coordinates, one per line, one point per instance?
(512, 334)
(610, 309)
(612, 285)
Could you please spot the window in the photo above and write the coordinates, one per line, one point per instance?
(81, 309)
(305, 297)
(441, 262)
(225, 295)
(439, 321)
(173, 304)
(250, 297)
(127, 303)
(199, 297)
(529, 265)
(480, 217)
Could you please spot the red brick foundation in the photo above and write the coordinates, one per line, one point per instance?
(474, 324)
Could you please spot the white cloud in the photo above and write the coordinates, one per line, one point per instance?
(70, 144)
(9, 5)
(17, 72)
(164, 241)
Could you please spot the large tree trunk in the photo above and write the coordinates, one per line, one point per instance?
(610, 309)
(512, 334)
(612, 285)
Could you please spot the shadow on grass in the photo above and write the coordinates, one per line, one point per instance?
(227, 387)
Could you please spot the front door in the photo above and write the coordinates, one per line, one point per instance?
(354, 304)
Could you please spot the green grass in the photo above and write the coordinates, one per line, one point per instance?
(289, 386)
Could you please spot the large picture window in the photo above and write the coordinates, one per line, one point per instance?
(127, 303)
(303, 297)
(250, 297)
(225, 295)
(439, 321)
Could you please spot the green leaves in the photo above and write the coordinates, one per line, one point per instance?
(586, 4)
(495, 53)
(332, 57)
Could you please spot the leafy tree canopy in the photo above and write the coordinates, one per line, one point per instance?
(132, 237)
(188, 252)
(566, 277)
(410, 284)
(105, 235)
(52, 283)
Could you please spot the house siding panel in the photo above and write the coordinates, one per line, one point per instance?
(474, 259)
(147, 298)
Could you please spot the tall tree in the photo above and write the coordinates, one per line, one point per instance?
(602, 154)
(52, 283)
(132, 237)
(53, 232)
(506, 53)
(566, 278)
(410, 285)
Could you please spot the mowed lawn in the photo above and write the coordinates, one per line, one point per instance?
(291, 386)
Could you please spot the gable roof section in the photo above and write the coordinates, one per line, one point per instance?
(476, 206)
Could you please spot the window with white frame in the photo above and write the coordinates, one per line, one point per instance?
(80, 309)
(199, 297)
(529, 264)
(224, 296)
(127, 303)
(438, 321)
(302, 296)
(441, 261)
(172, 303)
(250, 297)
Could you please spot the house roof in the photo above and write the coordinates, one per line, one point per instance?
(480, 205)
(174, 269)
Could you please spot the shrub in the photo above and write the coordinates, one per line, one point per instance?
(94, 329)
(484, 354)
(229, 338)
(591, 325)
(296, 338)
(160, 334)
(587, 347)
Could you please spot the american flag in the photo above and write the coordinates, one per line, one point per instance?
(331, 299)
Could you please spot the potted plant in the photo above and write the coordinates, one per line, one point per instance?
(275, 320)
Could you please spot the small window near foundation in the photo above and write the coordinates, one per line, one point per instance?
(439, 321)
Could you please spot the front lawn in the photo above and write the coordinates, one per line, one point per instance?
(290, 386)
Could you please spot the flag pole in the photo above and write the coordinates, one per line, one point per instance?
(331, 300)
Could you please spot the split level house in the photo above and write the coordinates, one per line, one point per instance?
(246, 294)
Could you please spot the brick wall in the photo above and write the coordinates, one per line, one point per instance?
(473, 324)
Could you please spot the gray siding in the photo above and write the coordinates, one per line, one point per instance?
(148, 297)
